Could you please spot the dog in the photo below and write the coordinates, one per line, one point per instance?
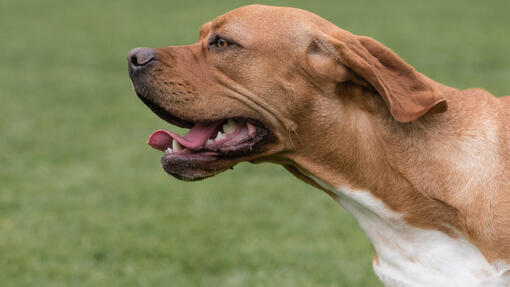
(423, 167)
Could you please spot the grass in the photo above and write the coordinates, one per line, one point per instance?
(83, 200)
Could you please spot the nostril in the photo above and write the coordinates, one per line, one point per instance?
(134, 60)
(140, 56)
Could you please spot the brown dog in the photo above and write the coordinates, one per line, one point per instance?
(423, 167)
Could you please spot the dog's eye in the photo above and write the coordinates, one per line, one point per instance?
(222, 43)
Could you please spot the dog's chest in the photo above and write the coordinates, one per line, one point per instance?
(411, 256)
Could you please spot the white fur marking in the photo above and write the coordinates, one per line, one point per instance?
(411, 256)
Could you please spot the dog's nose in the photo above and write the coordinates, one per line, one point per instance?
(140, 56)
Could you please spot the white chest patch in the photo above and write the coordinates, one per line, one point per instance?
(411, 256)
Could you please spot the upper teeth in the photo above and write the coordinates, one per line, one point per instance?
(176, 146)
(169, 150)
(220, 136)
(229, 126)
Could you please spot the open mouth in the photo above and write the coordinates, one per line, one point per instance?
(208, 147)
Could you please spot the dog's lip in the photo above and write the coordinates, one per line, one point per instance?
(189, 164)
(167, 116)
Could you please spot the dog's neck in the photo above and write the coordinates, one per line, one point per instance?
(370, 165)
(409, 256)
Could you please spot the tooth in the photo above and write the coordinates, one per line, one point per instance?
(220, 136)
(229, 126)
(176, 146)
(209, 141)
(169, 150)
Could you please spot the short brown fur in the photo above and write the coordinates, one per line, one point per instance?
(350, 112)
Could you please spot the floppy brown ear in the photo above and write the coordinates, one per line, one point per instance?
(407, 93)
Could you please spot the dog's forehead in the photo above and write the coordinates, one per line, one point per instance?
(255, 22)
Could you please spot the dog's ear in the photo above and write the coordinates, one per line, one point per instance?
(407, 93)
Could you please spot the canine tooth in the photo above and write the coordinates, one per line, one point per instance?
(209, 141)
(169, 150)
(176, 146)
(229, 126)
(220, 136)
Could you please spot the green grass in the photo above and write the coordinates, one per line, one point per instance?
(83, 200)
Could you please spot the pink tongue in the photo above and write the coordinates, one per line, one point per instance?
(194, 139)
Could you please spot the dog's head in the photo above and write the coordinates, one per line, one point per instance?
(264, 82)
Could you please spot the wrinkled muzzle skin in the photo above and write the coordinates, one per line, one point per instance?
(183, 86)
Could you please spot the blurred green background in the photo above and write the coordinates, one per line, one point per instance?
(83, 200)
